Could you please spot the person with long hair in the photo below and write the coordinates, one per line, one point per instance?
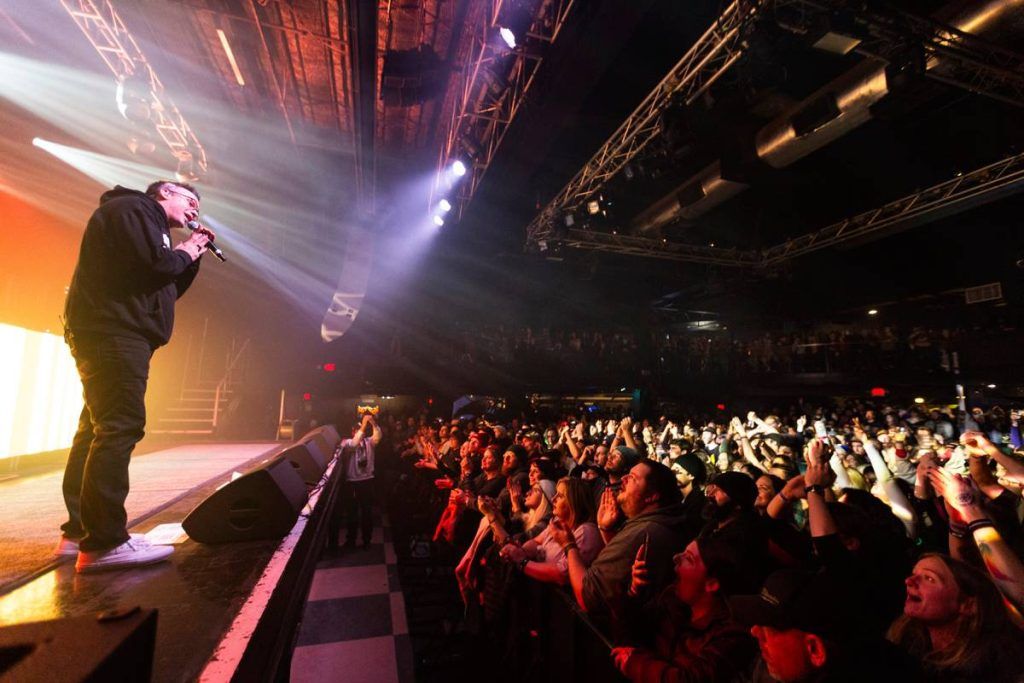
(956, 623)
(543, 558)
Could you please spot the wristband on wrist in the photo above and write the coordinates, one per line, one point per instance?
(957, 530)
(784, 497)
(980, 524)
(816, 488)
(570, 546)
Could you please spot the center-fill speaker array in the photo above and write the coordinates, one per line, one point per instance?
(265, 502)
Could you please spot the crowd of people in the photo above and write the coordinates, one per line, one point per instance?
(837, 543)
(713, 350)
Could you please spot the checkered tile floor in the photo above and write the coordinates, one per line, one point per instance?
(354, 626)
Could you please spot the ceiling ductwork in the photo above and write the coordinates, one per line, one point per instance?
(833, 111)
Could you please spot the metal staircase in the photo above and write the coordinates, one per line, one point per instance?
(202, 402)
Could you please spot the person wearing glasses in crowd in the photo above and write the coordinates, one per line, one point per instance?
(119, 310)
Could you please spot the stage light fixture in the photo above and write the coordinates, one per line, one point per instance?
(919, 400)
(438, 220)
(444, 205)
(508, 37)
(134, 101)
(458, 168)
(873, 311)
(991, 386)
(593, 207)
(186, 172)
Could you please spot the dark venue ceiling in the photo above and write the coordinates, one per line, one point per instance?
(315, 84)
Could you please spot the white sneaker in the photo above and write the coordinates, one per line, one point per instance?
(68, 547)
(135, 552)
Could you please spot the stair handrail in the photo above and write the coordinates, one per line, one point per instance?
(225, 380)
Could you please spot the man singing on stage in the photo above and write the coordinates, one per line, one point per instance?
(120, 308)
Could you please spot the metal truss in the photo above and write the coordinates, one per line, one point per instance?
(958, 194)
(944, 53)
(487, 102)
(966, 190)
(105, 29)
(703, 64)
(632, 245)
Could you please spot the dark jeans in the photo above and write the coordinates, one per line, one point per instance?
(357, 498)
(114, 372)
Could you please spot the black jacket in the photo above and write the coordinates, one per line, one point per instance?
(128, 276)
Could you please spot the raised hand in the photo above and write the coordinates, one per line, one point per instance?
(608, 512)
(795, 488)
(975, 444)
(487, 506)
(515, 494)
(858, 430)
(819, 474)
(559, 534)
(621, 657)
(640, 577)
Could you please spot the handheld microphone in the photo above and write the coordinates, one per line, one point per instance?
(211, 247)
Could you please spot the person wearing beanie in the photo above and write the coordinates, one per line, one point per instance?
(621, 460)
(691, 473)
(730, 514)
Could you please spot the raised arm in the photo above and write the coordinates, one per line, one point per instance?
(977, 445)
(357, 438)
(1002, 564)
(901, 507)
(626, 428)
(377, 434)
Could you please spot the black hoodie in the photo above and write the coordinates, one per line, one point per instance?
(128, 276)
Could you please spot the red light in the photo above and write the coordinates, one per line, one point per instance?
(720, 406)
(878, 392)
(307, 396)
(330, 367)
(430, 401)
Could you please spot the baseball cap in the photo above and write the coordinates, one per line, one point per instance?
(797, 599)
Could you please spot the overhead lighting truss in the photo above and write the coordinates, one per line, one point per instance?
(633, 245)
(945, 53)
(487, 103)
(966, 190)
(105, 29)
(711, 56)
(958, 194)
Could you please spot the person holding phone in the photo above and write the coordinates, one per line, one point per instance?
(696, 639)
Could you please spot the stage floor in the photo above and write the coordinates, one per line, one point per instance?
(33, 507)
